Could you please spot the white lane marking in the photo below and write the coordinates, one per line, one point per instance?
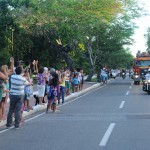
(127, 93)
(6, 130)
(107, 135)
(131, 85)
(58, 107)
(34, 117)
(122, 104)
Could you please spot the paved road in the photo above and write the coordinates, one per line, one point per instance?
(113, 117)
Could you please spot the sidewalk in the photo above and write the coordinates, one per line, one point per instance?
(86, 87)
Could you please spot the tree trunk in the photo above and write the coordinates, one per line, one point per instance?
(92, 70)
(68, 60)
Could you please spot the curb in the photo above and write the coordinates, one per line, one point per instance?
(42, 107)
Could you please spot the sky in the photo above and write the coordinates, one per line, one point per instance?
(143, 23)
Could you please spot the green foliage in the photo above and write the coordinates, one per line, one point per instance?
(4, 57)
(121, 59)
(148, 38)
(55, 31)
(5, 22)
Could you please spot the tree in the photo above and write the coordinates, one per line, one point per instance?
(121, 59)
(57, 31)
(148, 38)
(6, 21)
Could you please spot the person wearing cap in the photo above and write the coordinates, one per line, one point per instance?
(52, 71)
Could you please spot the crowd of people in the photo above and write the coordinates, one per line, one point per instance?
(16, 83)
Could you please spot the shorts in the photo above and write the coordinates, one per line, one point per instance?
(26, 97)
(41, 90)
(67, 84)
(53, 100)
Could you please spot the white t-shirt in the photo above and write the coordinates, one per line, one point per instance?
(79, 77)
(103, 73)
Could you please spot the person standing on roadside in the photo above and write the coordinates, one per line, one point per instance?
(79, 79)
(6, 87)
(27, 92)
(16, 97)
(41, 84)
(75, 82)
(67, 82)
(62, 80)
(53, 93)
(82, 79)
(3, 77)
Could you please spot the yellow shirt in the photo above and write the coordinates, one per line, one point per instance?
(63, 82)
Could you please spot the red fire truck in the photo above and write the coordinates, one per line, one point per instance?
(140, 66)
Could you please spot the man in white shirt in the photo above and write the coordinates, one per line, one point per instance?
(16, 97)
(104, 75)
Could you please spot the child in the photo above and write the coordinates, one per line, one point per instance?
(27, 91)
(75, 82)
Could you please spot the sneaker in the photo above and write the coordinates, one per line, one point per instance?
(17, 128)
(8, 127)
(27, 110)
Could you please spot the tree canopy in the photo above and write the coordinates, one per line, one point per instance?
(69, 33)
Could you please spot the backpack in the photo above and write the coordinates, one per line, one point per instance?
(52, 92)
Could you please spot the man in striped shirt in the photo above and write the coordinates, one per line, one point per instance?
(16, 97)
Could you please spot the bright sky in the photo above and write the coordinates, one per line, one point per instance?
(143, 23)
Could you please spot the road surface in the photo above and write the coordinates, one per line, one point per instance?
(115, 116)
